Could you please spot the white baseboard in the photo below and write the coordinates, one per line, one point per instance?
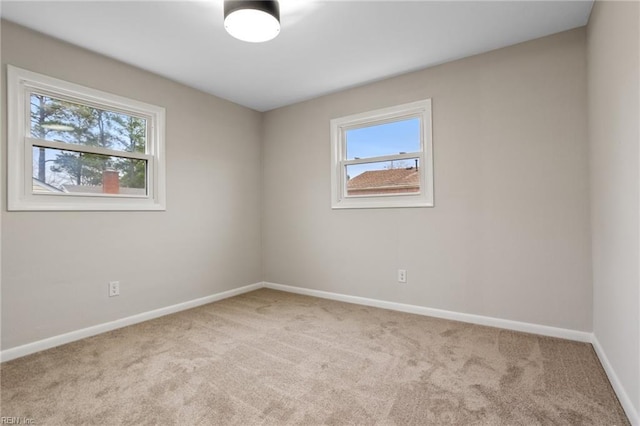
(72, 336)
(580, 336)
(563, 333)
(623, 397)
(544, 330)
(40, 345)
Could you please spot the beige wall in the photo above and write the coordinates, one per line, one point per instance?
(509, 235)
(614, 134)
(56, 266)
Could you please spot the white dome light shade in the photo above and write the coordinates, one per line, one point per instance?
(252, 21)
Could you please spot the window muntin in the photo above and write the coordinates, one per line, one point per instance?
(76, 148)
(383, 158)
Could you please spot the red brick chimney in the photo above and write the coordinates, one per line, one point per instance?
(110, 182)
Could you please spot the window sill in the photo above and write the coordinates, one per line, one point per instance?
(380, 204)
(52, 203)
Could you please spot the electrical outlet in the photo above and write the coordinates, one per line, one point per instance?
(402, 275)
(114, 288)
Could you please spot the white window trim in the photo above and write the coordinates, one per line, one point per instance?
(339, 126)
(19, 171)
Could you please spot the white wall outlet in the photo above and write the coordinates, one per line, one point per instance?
(402, 275)
(114, 288)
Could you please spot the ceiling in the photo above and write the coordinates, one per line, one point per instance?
(323, 47)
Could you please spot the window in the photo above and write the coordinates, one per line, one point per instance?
(75, 148)
(383, 158)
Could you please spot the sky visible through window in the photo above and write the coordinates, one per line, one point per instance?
(383, 139)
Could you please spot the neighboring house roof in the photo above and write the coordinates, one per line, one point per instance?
(40, 187)
(97, 189)
(385, 181)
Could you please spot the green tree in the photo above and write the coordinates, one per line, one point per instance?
(131, 134)
(64, 121)
(90, 127)
(45, 116)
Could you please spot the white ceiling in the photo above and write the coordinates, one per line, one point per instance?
(323, 47)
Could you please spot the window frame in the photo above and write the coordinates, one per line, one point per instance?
(339, 162)
(21, 84)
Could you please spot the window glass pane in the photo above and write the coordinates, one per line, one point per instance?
(384, 139)
(58, 171)
(385, 177)
(63, 121)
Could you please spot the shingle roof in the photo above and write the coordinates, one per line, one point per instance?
(389, 179)
(40, 187)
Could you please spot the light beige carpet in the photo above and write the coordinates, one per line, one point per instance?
(269, 357)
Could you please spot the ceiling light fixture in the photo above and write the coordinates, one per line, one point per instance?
(252, 21)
